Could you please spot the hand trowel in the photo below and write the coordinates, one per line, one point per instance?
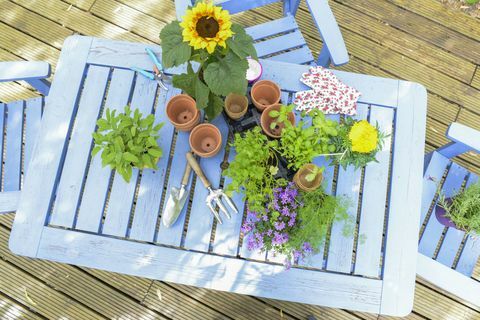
(176, 200)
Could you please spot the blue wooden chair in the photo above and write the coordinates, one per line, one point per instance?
(281, 39)
(447, 256)
(20, 122)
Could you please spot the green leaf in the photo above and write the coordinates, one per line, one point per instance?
(201, 93)
(310, 177)
(95, 150)
(215, 106)
(155, 152)
(130, 157)
(241, 43)
(274, 113)
(227, 75)
(186, 82)
(174, 51)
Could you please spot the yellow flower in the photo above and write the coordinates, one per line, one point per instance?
(364, 137)
(205, 26)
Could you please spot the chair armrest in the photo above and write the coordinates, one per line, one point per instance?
(329, 31)
(24, 70)
(181, 7)
(465, 135)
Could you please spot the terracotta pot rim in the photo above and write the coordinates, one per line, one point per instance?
(182, 96)
(218, 135)
(267, 83)
(298, 174)
(265, 116)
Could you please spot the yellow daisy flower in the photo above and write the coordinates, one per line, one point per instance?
(364, 137)
(205, 26)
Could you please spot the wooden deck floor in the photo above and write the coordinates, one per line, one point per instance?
(408, 39)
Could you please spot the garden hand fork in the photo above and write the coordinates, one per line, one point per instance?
(215, 196)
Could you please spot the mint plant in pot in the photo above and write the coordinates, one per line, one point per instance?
(462, 211)
(215, 50)
(127, 141)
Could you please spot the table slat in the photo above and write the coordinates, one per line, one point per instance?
(201, 219)
(151, 186)
(340, 251)
(13, 154)
(33, 117)
(122, 193)
(372, 214)
(96, 186)
(78, 152)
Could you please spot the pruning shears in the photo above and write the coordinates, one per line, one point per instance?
(157, 74)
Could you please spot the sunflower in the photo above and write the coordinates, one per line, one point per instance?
(364, 137)
(205, 26)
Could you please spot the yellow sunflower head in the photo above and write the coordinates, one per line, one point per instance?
(363, 136)
(205, 26)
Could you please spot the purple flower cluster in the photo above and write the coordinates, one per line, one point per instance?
(271, 229)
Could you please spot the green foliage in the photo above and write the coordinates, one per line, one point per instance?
(464, 209)
(254, 167)
(472, 2)
(301, 143)
(216, 75)
(127, 141)
(343, 146)
(174, 51)
(317, 214)
(281, 115)
(314, 173)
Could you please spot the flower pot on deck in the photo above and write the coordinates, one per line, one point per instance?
(182, 112)
(266, 121)
(265, 93)
(205, 140)
(300, 178)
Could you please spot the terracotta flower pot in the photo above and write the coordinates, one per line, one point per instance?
(182, 112)
(265, 93)
(266, 120)
(300, 178)
(236, 106)
(205, 140)
(440, 214)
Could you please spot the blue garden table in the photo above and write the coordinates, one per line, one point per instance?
(74, 211)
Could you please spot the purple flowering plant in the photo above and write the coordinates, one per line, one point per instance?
(294, 223)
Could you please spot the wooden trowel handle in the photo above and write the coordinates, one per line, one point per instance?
(186, 174)
(196, 167)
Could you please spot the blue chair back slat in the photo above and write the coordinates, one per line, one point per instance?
(453, 239)
(13, 160)
(235, 6)
(302, 55)
(434, 229)
(279, 44)
(271, 28)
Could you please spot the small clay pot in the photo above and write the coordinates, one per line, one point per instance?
(301, 181)
(182, 112)
(440, 214)
(266, 120)
(265, 93)
(236, 105)
(205, 140)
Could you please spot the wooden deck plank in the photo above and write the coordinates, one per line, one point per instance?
(476, 79)
(11, 309)
(82, 4)
(418, 26)
(436, 11)
(87, 290)
(33, 24)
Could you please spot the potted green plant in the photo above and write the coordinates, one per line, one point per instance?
(127, 141)
(275, 118)
(310, 138)
(215, 50)
(254, 168)
(357, 143)
(308, 177)
(462, 211)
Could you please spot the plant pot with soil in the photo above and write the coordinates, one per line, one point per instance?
(205, 140)
(236, 106)
(182, 112)
(265, 93)
(274, 119)
(309, 177)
